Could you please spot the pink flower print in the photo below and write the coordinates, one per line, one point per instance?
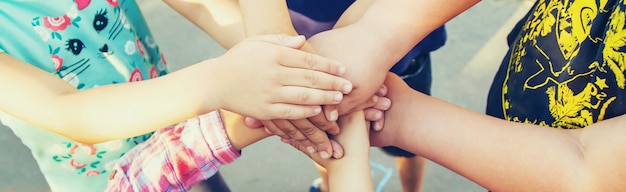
(92, 173)
(139, 46)
(57, 62)
(135, 76)
(57, 23)
(88, 148)
(81, 4)
(77, 164)
(113, 3)
(153, 73)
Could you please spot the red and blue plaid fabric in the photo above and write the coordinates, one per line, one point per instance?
(175, 158)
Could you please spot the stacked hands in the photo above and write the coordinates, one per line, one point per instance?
(305, 81)
(289, 107)
(300, 99)
(316, 134)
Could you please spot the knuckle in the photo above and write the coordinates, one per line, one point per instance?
(320, 124)
(301, 140)
(291, 132)
(310, 61)
(288, 113)
(309, 130)
(312, 78)
(304, 97)
(280, 38)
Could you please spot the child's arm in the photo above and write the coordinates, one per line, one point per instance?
(176, 158)
(352, 172)
(501, 155)
(280, 84)
(221, 19)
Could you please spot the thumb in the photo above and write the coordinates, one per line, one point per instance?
(252, 123)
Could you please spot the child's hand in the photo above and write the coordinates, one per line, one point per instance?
(267, 77)
(315, 138)
(353, 137)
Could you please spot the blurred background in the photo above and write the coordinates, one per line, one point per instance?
(475, 46)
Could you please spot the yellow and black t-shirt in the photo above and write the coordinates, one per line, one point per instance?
(565, 67)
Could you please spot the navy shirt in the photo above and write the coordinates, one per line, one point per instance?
(564, 77)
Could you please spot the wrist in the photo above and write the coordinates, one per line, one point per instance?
(238, 133)
(210, 82)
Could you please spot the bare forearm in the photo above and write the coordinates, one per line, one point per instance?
(494, 153)
(386, 31)
(350, 173)
(98, 114)
(411, 20)
(221, 19)
(266, 17)
(502, 155)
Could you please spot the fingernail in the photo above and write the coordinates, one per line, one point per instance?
(341, 70)
(386, 104)
(377, 126)
(380, 91)
(335, 154)
(294, 39)
(333, 115)
(338, 97)
(378, 115)
(324, 155)
(347, 88)
(317, 110)
(310, 149)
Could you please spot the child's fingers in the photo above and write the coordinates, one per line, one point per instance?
(281, 110)
(331, 112)
(252, 122)
(316, 136)
(321, 121)
(372, 114)
(314, 79)
(306, 96)
(382, 90)
(273, 129)
(287, 127)
(337, 149)
(299, 59)
(303, 149)
(377, 118)
(382, 104)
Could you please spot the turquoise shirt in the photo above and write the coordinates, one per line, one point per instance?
(87, 43)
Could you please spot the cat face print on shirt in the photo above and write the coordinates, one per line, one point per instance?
(94, 43)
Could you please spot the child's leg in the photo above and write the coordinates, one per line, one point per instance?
(411, 171)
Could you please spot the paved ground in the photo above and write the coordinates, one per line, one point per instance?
(470, 57)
